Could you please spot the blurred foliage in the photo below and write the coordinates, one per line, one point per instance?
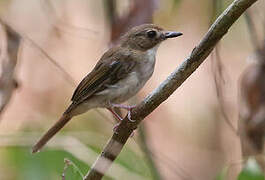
(131, 161)
(134, 163)
(251, 171)
(176, 3)
(42, 166)
(49, 164)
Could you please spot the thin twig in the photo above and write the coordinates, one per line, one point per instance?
(252, 29)
(218, 70)
(219, 82)
(60, 25)
(9, 49)
(23, 36)
(65, 74)
(150, 103)
(67, 164)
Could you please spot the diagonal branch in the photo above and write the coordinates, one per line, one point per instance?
(151, 102)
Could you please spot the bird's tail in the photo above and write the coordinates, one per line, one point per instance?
(51, 132)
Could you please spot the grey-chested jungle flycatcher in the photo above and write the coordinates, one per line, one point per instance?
(119, 74)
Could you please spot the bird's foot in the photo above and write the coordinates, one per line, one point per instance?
(118, 117)
(129, 116)
(115, 128)
(127, 107)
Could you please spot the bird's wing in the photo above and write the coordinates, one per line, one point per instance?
(106, 72)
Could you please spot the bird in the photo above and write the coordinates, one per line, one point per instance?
(120, 74)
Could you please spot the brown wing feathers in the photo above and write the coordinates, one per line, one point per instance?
(93, 81)
(106, 72)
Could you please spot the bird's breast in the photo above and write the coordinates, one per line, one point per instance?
(134, 81)
(147, 64)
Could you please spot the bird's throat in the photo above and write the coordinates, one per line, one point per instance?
(151, 53)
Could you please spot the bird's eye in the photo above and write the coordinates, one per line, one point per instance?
(151, 34)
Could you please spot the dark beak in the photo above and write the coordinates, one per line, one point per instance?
(172, 34)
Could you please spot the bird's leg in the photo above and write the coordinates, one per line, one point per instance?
(127, 107)
(116, 115)
(123, 106)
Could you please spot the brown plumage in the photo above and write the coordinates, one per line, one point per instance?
(119, 74)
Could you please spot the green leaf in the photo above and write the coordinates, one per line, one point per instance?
(49, 164)
(251, 171)
(42, 166)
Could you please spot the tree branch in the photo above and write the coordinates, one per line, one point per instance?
(151, 102)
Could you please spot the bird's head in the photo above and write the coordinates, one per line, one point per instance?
(146, 36)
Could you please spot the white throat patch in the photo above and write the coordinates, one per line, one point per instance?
(152, 52)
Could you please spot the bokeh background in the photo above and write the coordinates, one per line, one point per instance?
(187, 137)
